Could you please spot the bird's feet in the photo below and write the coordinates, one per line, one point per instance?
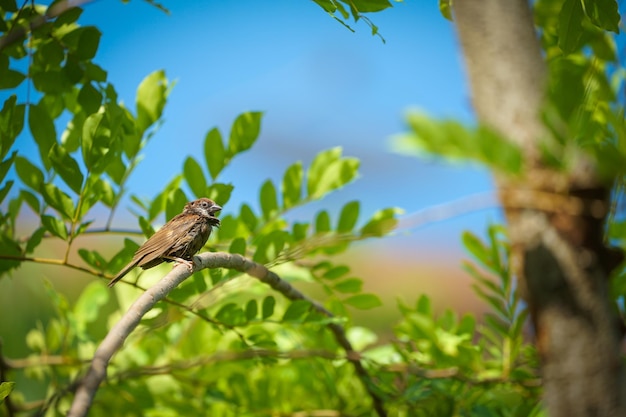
(189, 264)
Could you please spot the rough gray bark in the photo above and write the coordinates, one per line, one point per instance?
(558, 249)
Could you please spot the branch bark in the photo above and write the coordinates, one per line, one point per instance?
(114, 340)
(559, 256)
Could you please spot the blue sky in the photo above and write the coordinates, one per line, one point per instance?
(318, 84)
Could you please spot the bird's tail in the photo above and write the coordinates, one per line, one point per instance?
(123, 272)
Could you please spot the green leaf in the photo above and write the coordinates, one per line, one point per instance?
(252, 309)
(96, 141)
(270, 246)
(231, 315)
(5, 389)
(269, 200)
(322, 222)
(35, 239)
(370, 6)
(220, 193)
(68, 16)
(292, 185)
(238, 245)
(58, 200)
(336, 272)
(248, 218)
(52, 82)
(103, 192)
(570, 26)
(5, 190)
(267, 308)
(445, 7)
(151, 98)
(348, 217)
(350, 285)
(31, 200)
(195, 177)
(382, 222)
(244, 132)
(55, 226)
(214, 152)
(43, 131)
(6, 165)
(11, 124)
(10, 79)
(603, 13)
(476, 247)
(175, 203)
(296, 310)
(363, 301)
(329, 171)
(145, 226)
(49, 54)
(299, 231)
(66, 167)
(89, 98)
(28, 173)
(424, 305)
(88, 305)
(88, 42)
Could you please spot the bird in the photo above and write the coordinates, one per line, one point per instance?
(178, 240)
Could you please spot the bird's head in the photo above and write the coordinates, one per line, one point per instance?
(203, 207)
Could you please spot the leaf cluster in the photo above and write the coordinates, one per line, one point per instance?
(453, 365)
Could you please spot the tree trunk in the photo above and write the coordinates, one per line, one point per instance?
(555, 218)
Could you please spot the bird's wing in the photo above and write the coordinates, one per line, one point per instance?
(164, 239)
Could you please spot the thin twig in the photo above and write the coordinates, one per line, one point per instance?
(218, 357)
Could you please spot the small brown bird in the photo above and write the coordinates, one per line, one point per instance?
(178, 240)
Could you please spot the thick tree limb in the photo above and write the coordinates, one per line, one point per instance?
(559, 255)
(122, 329)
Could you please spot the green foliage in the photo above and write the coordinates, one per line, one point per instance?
(338, 10)
(453, 365)
(583, 111)
(453, 141)
(229, 336)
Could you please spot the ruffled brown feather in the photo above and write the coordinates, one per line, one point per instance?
(182, 237)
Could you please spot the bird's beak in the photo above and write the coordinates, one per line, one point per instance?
(214, 209)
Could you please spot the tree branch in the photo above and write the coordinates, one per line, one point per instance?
(114, 340)
(558, 250)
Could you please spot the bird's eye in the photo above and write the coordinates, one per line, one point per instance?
(205, 204)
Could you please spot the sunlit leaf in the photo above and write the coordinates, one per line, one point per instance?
(363, 301)
(348, 217)
(296, 310)
(214, 152)
(66, 167)
(55, 226)
(43, 131)
(292, 185)
(151, 97)
(58, 199)
(195, 177)
(244, 132)
(269, 200)
(267, 308)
